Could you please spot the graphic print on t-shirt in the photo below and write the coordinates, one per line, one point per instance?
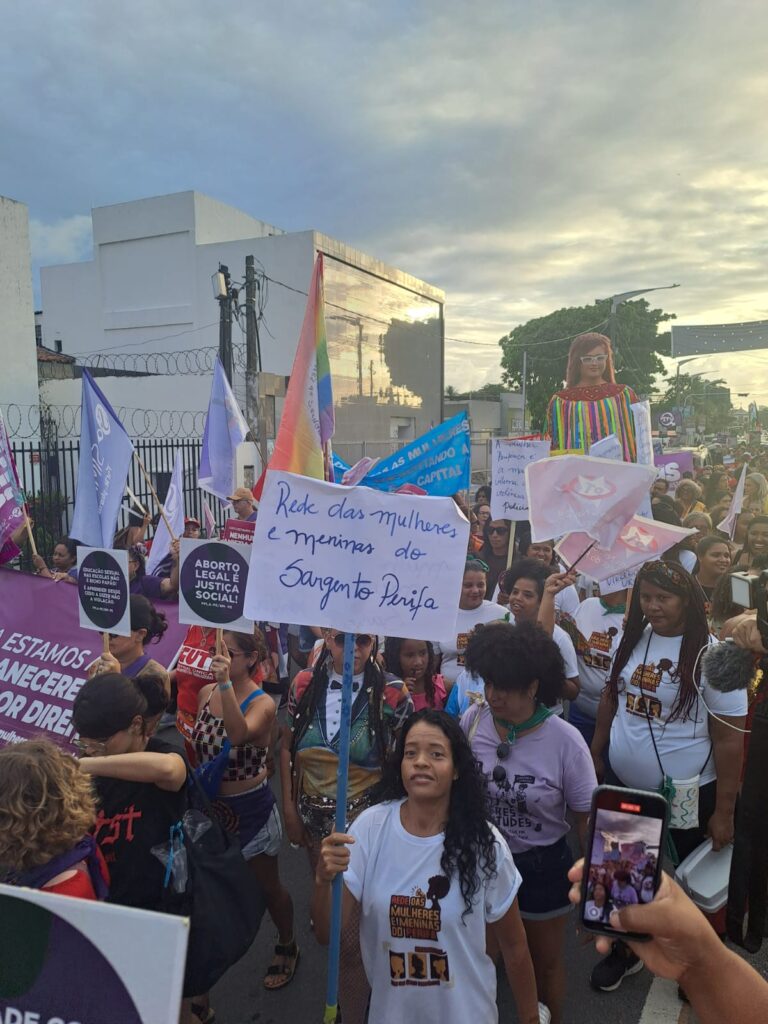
(643, 705)
(596, 651)
(509, 805)
(648, 677)
(418, 917)
(462, 639)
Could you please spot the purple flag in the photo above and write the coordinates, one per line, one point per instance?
(11, 498)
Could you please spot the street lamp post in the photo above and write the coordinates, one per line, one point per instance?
(616, 301)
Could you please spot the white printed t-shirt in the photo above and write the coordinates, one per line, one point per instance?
(423, 964)
(684, 744)
(471, 689)
(567, 603)
(597, 636)
(466, 620)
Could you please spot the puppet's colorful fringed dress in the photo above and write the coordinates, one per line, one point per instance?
(579, 416)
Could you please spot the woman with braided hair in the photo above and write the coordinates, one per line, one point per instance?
(309, 766)
(671, 730)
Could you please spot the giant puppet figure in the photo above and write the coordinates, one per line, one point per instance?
(591, 405)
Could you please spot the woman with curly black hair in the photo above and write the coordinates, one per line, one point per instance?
(427, 874)
(536, 768)
(656, 710)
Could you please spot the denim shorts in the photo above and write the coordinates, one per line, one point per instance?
(544, 890)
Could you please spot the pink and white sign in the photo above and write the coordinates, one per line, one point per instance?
(578, 493)
(641, 540)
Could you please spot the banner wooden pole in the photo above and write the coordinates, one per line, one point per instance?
(105, 641)
(511, 548)
(334, 950)
(159, 503)
(29, 531)
(219, 640)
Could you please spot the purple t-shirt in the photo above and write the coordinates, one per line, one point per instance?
(547, 771)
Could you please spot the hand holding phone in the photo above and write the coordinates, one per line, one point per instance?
(624, 852)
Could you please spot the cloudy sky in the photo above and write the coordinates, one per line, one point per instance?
(522, 156)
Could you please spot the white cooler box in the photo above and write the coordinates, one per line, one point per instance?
(704, 876)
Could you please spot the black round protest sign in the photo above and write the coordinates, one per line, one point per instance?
(103, 590)
(212, 582)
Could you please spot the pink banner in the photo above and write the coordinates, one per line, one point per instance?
(641, 540)
(44, 656)
(582, 494)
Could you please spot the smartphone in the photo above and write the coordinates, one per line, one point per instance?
(622, 862)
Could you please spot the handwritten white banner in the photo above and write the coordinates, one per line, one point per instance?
(509, 457)
(359, 560)
(641, 413)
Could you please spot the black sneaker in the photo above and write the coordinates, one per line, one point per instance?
(610, 972)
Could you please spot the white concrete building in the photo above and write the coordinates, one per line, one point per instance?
(18, 362)
(148, 290)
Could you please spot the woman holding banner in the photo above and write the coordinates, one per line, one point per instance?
(156, 588)
(63, 560)
(426, 880)
(128, 657)
(309, 766)
(234, 726)
(592, 405)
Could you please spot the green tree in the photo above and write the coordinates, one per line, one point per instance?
(637, 345)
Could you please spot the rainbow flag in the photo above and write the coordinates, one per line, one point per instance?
(307, 423)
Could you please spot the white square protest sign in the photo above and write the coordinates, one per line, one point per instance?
(509, 457)
(356, 559)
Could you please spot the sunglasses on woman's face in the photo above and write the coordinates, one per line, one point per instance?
(593, 360)
(361, 639)
(498, 529)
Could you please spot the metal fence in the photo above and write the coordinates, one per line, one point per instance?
(48, 477)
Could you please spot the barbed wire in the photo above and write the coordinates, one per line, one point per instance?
(187, 362)
(63, 421)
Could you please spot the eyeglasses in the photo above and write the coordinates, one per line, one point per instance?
(498, 529)
(593, 360)
(361, 639)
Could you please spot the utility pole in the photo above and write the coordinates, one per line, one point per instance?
(359, 357)
(525, 382)
(224, 298)
(253, 406)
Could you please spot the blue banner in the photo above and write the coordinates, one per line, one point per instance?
(438, 462)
